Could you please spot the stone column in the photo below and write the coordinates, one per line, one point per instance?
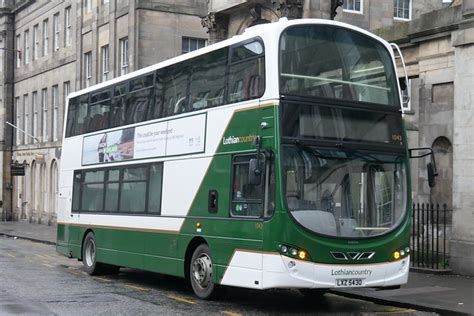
(217, 26)
(462, 240)
(7, 32)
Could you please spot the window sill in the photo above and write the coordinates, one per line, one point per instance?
(353, 11)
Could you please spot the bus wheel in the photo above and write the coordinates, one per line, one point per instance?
(200, 273)
(89, 251)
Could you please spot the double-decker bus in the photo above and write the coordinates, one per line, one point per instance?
(274, 159)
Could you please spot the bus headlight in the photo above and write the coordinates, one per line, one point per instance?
(293, 252)
(401, 253)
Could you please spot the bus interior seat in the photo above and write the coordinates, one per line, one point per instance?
(180, 106)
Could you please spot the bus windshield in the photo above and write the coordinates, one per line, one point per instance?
(333, 62)
(349, 194)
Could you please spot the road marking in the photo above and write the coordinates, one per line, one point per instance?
(48, 265)
(102, 279)
(181, 299)
(397, 311)
(231, 313)
(136, 287)
(41, 256)
(10, 255)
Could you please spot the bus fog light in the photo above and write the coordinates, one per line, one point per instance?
(396, 255)
(291, 264)
(302, 254)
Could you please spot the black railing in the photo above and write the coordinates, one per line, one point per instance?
(431, 228)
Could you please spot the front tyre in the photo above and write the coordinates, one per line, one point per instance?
(89, 252)
(200, 273)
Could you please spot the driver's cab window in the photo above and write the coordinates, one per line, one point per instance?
(247, 198)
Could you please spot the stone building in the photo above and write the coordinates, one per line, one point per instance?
(436, 38)
(52, 48)
(439, 50)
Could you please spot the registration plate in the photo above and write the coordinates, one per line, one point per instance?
(348, 282)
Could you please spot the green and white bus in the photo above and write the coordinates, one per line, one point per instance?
(274, 159)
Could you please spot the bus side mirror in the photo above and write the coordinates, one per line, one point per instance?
(431, 174)
(403, 83)
(431, 166)
(255, 172)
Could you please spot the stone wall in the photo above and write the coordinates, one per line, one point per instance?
(462, 242)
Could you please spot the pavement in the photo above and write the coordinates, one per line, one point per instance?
(446, 294)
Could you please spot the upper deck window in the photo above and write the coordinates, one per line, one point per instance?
(333, 62)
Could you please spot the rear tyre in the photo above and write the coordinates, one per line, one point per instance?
(200, 273)
(89, 252)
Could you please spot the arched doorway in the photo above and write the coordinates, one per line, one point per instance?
(53, 190)
(33, 192)
(43, 194)
(26, 192)
(442, 193)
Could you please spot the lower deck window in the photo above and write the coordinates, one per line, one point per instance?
(128, 190)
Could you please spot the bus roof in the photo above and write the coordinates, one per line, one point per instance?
(251, 32)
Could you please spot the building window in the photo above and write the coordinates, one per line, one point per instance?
(353, 6)
(104, 52)
(88, 5)
(36, 43)
(44, 106)
(88, 68)
(56, 31)
(67, 26)
(45, 37)
(34, 103)
(105, 1)
(66, 91)
(18, 51)
(189, 44)
(402, 9)
(17, 110)
(123, 56)
(27, 47)
(25, 119)
(55, 112)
